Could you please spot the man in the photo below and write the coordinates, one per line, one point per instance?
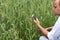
(54, 34)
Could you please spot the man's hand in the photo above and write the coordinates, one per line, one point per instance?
(36, 21)
(43, 30)
(49, 28)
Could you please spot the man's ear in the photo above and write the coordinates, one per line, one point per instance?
(59, 2)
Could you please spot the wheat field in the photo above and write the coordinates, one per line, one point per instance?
(16, 21)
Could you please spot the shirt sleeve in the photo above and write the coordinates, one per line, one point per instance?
(52, 35)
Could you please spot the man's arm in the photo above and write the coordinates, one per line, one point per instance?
(43, 30)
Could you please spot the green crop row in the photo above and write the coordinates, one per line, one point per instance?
(16, 21)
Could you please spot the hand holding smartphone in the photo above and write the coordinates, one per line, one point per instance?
(34, 17)
(36, 21)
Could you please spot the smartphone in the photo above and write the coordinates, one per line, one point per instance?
(34, 17)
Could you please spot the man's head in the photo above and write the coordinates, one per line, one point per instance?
(56, 7)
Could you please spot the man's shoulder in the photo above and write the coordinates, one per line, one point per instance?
(58, 19)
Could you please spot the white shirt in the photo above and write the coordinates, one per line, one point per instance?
(54, 34)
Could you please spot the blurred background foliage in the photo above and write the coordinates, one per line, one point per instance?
(16, 21)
